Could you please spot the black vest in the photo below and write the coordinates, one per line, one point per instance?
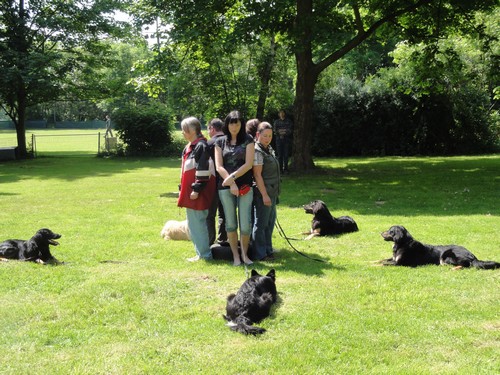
(270, 171)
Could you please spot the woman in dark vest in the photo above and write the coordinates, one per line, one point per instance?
(266, 171)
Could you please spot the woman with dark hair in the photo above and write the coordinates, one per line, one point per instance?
(234, 155)
(266, 171)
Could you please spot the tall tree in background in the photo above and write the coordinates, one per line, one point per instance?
(325, 31)
(41, 44)
(317, 32)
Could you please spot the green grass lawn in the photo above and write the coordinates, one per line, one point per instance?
(128, 302)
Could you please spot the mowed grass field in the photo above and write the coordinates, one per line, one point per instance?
(59, 142)
(128, 302)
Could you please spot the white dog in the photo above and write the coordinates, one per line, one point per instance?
(176, 230)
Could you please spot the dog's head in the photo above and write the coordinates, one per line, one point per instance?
(271, 274)
(45, 235)
(397, 234)
(314, 206)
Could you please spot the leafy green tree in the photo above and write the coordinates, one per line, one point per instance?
(44, 44)
(318, 33)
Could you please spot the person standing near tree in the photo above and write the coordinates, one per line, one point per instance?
(197, 186)
(108, 127)
(283, 129)
(234, 155)
(266, 172)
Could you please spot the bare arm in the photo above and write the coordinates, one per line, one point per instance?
(257, 175)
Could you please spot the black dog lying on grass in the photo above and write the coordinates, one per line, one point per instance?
(409, 252)
(324, 224)
(35, 249)
(252, 303)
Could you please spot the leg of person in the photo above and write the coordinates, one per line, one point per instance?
(270, 227)
(197, 222)
(211, 218)
(279, 151)
(286, 148)
(261, 221)
(245, 216)
(222, 236)
(229, 203)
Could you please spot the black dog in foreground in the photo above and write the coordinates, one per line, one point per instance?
(324, 224)
(35, 249)
(252, 303)
(409, 252)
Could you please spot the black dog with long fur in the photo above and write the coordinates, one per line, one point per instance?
(35, 249)
(409, 252)
(324, 224)
(252, 303)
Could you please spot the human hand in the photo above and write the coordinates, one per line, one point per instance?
(267, 201)
(194, 195)
(234, 189)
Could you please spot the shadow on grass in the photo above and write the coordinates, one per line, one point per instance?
(399, 186)
(74, 168)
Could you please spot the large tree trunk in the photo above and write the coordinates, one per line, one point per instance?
(303, 121)
(22, 152)
(265, 78)
(307, 77)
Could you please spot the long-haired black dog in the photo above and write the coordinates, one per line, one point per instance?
(324, 224)
(252, 303)
(35, 249)
(409, 252)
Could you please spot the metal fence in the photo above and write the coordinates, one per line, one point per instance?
(77, 144)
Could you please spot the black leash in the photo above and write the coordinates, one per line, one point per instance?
(282, 234)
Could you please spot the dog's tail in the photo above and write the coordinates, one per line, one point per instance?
(485, 264)
(243, 325)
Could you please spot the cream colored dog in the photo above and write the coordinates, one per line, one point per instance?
(176, 230)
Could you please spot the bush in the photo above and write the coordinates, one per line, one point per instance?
(376, 119)
(144, 130)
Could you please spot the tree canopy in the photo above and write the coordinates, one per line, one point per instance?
(45, 46)
(318, 33)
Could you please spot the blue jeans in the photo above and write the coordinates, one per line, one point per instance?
(265, 218)
(197, 224)
(244, 204)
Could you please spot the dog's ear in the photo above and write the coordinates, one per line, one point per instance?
(272, 274)
(400, 234)
(255, 273)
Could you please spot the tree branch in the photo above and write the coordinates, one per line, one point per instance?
(363, 35)
(357, 18)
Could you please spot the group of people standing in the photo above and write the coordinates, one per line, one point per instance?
(236, 173)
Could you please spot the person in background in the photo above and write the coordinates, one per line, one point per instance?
(197, 186)
(215, 132)
(266, 172)
(234, 155)
(283, 128)
(108, 127)
(251, 127)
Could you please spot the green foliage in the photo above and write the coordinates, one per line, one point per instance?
(145, 130)
(435, 99)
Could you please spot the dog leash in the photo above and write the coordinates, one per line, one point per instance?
(282, 234)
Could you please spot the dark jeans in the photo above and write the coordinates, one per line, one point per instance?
(264, 220)
(216, 206)
(282, 149)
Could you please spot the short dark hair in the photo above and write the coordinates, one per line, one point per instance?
(251, 126)
(264, 126)
(216, 123)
